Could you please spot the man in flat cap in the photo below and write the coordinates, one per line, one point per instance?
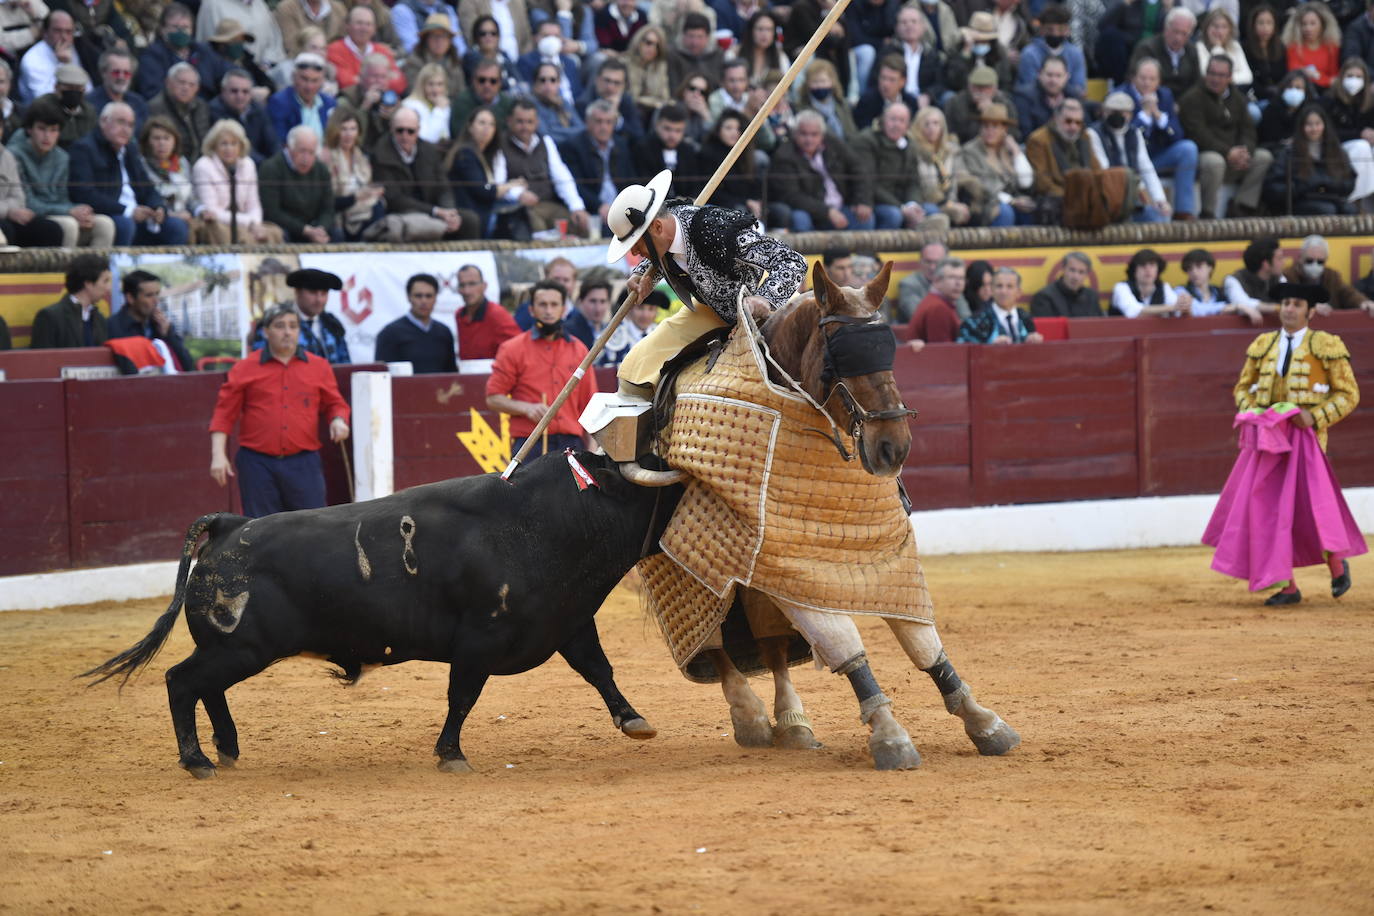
(277, 398)
(320, 332)
(1285, 509)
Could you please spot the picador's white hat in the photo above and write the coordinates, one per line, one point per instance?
(632, 211)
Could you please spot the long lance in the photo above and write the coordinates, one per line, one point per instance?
(803, 58)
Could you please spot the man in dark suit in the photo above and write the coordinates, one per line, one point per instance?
(612, 80)
(174, 44)
(107, 173)
(921, 63)
(598, 159)
(412, 172)
(890, 87)
(551, 52)
(1173, 48)
(75, 320)
(142, 316)
(667, 147)
(235, 103)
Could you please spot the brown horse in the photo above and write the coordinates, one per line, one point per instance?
(835, 347)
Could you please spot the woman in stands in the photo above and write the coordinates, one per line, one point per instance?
(742, 188)
(1143, 292)
(160, 143)
(1217, 35)
(477, 168)
(1313, 40)
(1280, 119)
(692, 95)
(759, 48)
(436, 47)
(485, 42)
(1265, 53)
(1351, 107)
(429, 99)
(938, 167)
(646, 57)
(231, 210)
(1312, 175)
(357, 201)
(824, 95)
(978, 285)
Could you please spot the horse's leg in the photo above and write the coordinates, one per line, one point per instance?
(748, 715)
(773, 635)
(793, 729)
(989, 733)
(584, 653)
(835, 640)
(465, 683)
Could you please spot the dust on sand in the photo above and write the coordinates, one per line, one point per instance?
(1184, 749)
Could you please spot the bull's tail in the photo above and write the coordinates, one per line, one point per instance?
(128, 662)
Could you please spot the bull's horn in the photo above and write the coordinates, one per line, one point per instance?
(632, 472)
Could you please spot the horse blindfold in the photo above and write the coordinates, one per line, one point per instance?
(855, 350)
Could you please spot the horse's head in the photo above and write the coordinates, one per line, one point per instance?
(851, 359)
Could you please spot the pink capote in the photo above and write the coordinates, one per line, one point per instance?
(1281, 507)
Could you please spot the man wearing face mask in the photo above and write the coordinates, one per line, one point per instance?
(1310, 267)
(1053, 42)
(530, 371)
(1117, 142)
(549, 50)
(174, 44)
(80, 114)
(979, 48)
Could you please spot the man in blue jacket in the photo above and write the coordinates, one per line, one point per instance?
(1053, 41)
(598, 159)
(174, 45)
(235, 103)
(302, 102)
(107, 173)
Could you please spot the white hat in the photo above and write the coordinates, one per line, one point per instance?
(632, 211)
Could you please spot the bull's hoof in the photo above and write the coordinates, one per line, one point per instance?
(894, 753)
(997, 742)
(751, 730)
(638, 728)
(456, 765)
(199, 771)
(226, 761)
(793, 732)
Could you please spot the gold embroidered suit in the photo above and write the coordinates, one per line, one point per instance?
(1319, 378)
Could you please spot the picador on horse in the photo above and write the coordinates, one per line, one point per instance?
(780, 536)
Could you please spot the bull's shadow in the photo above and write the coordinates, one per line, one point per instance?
(489, 576)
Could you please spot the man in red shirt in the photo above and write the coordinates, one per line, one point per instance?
(936, 319)
(531, 370)
(482, 325)
(279, 393)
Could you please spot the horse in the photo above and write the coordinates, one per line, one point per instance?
(833, 349)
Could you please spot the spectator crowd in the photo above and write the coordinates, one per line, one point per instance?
(228, 121)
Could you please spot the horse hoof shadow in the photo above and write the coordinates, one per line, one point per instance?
(639, 729)
(999, 741)
(458, 765)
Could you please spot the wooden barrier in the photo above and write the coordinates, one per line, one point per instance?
(34, 527)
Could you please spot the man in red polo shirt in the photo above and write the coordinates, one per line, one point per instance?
(937, 319)
(531, 370)
(482, 325)
(279, 393)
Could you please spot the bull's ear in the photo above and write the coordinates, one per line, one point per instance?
(876, 290)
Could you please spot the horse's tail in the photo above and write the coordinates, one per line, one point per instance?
(141, 653)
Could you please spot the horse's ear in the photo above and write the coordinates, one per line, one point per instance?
(876, 290)
(828, 295)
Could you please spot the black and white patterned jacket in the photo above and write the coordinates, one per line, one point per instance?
(724, 251)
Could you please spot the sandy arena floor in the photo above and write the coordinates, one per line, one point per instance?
(1184, 750)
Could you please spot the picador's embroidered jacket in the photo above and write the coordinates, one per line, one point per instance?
(1319, 378)
(723, 251)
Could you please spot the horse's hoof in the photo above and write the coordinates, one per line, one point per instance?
(456, 765)
(226, 761)
(894, 754)
(638, 728)
(753, 732)
(999, 741)
(793, 732)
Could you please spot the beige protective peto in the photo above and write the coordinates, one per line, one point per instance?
(771, 505)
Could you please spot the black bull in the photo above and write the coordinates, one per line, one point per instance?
(491, 577)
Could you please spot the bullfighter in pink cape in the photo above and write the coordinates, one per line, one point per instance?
(1282, 505)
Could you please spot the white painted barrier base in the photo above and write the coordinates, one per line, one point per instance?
(1108, 524)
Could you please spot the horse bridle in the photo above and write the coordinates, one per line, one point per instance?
(859, 346)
